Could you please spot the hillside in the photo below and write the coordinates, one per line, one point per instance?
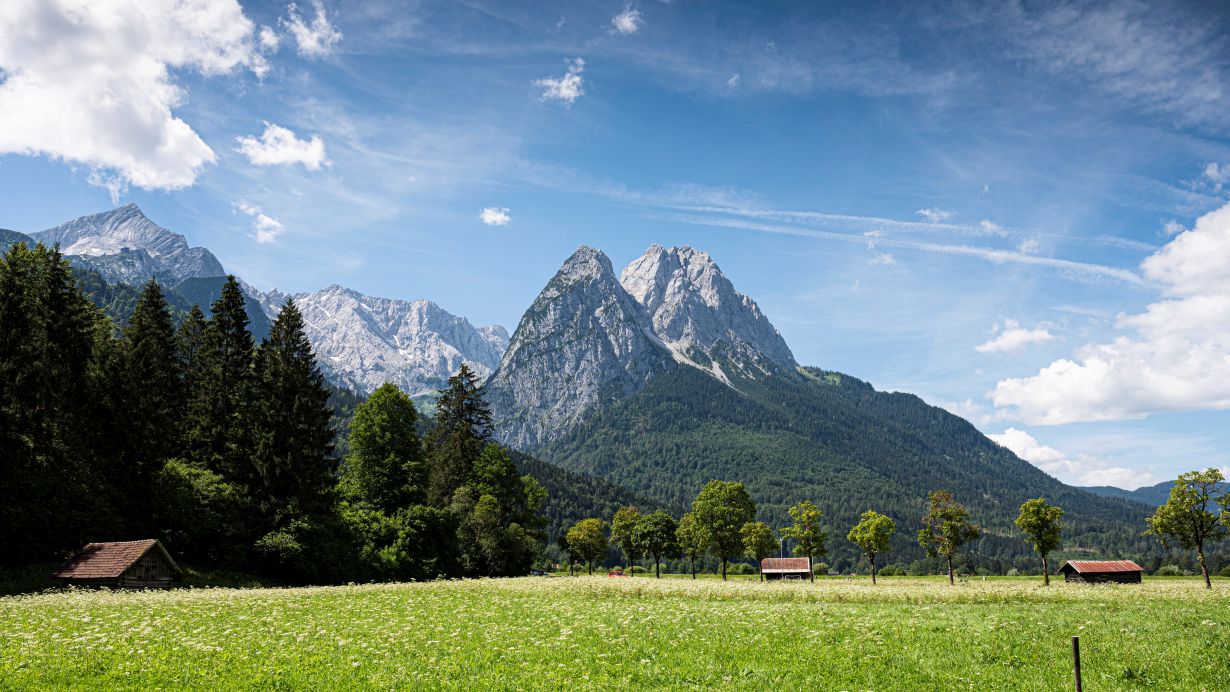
(1152, 495)
(835, 440)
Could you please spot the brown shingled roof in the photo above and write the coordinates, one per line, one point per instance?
(1096, 566)
(108, 560)
(773, 565)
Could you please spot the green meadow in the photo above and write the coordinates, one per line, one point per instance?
(595, 632)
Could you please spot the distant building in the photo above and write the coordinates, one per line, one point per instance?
(786, 568)
(1097, 571)
(124, 564)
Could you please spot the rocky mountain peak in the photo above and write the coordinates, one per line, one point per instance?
(583, 343)
(696, 311)
(124, 245)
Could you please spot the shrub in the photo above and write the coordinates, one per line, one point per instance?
(1014, 572)
(740, 568)
(820, 569)
(1169, 571)
(1225, 571)
(891, 571)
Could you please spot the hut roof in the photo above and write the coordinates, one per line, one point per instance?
(110, 560)
(778, 565)
(1101, 566)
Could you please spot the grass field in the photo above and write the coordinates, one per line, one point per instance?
(594, 632)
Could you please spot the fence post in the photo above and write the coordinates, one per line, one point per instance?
(1076, 661)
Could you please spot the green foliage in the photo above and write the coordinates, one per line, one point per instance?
(810, 538)
(759, 541)
(656, 534)
(820, 568)
(872, 534)
(946, 527)
(623, 532)
(720, 511)
(1188, 515)
(462, 429)
(837, 441)
(691, 539)
(385, 467)
(1043, 527)
(587, 542)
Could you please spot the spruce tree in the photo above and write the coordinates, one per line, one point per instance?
(290, 422)
(463, 428)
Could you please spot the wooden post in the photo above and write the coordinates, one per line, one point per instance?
(1076, 661)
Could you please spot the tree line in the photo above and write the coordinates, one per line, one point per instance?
(722, 522)
(223, 447)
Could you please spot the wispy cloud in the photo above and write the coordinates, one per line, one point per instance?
(935, 214)
(1013, 337)
(267, 229)
(315, 39)
(628, 21)
(568, 88)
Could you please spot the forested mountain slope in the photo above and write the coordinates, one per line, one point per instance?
(832, 439)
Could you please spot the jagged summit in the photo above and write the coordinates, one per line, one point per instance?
(126, 246)
(583, 343)
(699, 315)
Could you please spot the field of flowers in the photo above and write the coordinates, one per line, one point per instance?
(594, 632)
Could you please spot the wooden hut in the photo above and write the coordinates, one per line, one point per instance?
(125, 564)
(1099, 571)
(786, 568)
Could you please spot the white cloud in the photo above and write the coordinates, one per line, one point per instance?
(733, 81)
(1173, 227)
(1176, 355)
(316, 39)
(1083, 470)
(495, 216)
(935, 214)
(1029, 246)
(1014, 337)
(568, 88)
(990, 227)
(267, 228)
(278, 146)
(93, 83)
(269, 39)
(884, 258)
(628, 21)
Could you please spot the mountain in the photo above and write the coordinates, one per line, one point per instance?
(9, 238)
(126, 247)
(204, 291)
(1152, 495)
(363, 342)
(584, 343)
(837, 441)
(702, 319)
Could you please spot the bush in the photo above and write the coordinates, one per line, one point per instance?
(1014, 572)
(891, 571)
(740, 568)
(1169, 571)
(1225, 571)
(820, 569)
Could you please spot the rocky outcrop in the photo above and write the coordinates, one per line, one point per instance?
(584, 342)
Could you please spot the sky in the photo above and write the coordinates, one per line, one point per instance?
(1019, 211)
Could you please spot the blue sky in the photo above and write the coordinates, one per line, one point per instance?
(951, 199)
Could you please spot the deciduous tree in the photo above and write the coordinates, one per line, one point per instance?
(946, 527)
(587, 541)
(872, 535)
(720, 511)
(1042, 524)
(623, 534)
(385, 467)
(656, 534)
(810, 538)
(691, 540)
(1188, 515)
(759, 542)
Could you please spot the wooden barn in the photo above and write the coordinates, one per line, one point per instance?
(786, 568)
(1099, 571)
(125, 564)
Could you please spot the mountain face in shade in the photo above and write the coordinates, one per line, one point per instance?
(126, 247)
(363, 342)
(698, 314)
(583, 343)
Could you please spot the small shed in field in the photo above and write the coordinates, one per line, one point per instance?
(1097, 571)
(126, 564)
(786, 568)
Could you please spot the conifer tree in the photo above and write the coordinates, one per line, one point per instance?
(463, 428)
(290, 425)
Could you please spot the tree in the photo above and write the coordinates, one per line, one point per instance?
(1187, 516)
(946, 527)
(292, 437)
(810, 539)
(691, 540)
(758, 542)
(872, 535)
(720, 511)
(587, 541)
(385, 467)
(462, 430)
(623, 534)
(656, 535)
(1043, 527)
